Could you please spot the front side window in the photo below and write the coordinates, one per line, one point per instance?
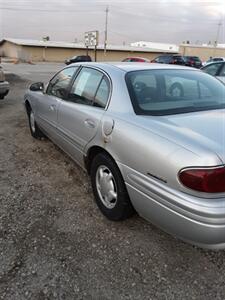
(164, 92)
(58, 86)
(85, 86)
(212, 69)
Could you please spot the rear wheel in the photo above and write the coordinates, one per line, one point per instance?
(34, 129)
(109, 189)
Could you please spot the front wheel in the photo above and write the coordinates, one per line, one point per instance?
(109, 189)
(34, 129)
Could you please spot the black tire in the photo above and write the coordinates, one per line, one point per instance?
(122, 208)
(2, 96)
(176, 90)
(34, 129)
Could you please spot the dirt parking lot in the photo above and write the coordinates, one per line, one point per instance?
(54, 242)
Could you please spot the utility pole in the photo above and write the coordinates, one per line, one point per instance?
(218, 32)
(106, 29)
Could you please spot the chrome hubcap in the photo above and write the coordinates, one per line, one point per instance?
(106, 187)
(32, 121)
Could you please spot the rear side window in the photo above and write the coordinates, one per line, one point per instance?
(102, 94)
(222, 72)
(85, 87)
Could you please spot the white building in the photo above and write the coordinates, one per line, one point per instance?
(158, 46)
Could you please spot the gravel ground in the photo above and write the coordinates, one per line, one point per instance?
(55, 244)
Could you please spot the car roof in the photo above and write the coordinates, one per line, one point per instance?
(133, 66)
(191, 56)
(215, 63)
(136, 57)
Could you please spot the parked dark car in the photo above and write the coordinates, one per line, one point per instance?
(79, 58)
(216, 69)
(213, 59)
(192, 61)
(169, 59)
(136, 59)
(4, 85)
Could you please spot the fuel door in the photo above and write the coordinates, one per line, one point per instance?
(107, 128)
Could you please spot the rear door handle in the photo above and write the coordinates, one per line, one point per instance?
(89, 123)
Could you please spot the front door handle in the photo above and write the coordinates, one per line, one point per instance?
(89, 123)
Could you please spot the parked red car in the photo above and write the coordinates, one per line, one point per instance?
(136, 59)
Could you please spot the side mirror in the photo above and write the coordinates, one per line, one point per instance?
(37, 87)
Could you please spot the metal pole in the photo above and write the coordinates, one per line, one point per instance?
(217, 37)
(218, 33)
(106, 29)
(95, 53)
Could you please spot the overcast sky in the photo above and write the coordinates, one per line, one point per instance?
(129, 20)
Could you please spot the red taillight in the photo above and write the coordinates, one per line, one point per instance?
(207, 180)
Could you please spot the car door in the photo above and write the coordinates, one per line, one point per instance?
(48, 102)
(80, 115)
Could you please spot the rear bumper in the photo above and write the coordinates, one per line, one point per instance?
(196, 220)
(202, 234)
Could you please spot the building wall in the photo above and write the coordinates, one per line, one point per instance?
(60, 54)
(10, 50)
(31, 53)
(203, 52)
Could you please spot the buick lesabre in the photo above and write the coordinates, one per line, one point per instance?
(151, 136)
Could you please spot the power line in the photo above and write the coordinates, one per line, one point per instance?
(47, 10)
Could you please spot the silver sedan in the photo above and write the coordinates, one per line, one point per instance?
(151, 136)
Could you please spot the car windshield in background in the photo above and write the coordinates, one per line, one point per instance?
(164, 92)
(195, 58)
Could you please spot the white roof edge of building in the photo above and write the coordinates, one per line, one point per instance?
(55, 44)
(202, 46)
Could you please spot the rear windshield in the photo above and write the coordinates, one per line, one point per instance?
(164, 92)
(179, 58)
(195, 58)
(217, 59)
